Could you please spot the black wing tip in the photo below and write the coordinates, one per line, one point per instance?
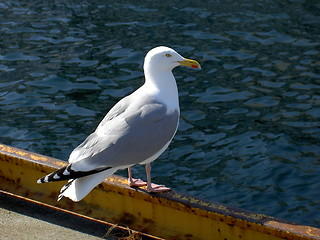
(59, 197)
(55, 176)
(40, 180)
(66, 173)
(44, 179)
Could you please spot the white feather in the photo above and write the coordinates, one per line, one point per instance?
(80, 187)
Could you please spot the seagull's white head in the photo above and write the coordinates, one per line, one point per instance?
(166, 59)
(159, 80)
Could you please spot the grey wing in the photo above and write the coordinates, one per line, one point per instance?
(93, 142)
(150, 130)
(134, 136)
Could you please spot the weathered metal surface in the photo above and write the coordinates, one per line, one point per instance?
(168, 215)
(48, 222)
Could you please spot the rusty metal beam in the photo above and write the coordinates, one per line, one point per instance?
(168, 215)
(52, 219)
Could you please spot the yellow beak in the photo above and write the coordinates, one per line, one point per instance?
(190, 63)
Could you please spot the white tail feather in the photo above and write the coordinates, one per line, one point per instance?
(80, 187)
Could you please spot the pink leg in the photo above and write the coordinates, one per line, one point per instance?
(134, 182)
(151, 187)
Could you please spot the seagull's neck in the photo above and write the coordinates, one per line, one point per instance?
(162, 85)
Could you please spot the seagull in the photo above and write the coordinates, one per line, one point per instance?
(137, 130)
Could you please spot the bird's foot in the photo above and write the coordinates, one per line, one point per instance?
(157, 188)
(136, 182)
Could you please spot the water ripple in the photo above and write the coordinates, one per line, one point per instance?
(249, 128)
(18, 56)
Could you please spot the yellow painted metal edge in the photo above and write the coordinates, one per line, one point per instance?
(108, 226)
(167, 215)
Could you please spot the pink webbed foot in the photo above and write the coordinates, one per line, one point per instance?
(157, 188)
(136, 182)
(151, 187)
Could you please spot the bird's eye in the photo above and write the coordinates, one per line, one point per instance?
(168, 55)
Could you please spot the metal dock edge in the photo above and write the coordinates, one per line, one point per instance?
(165, 215)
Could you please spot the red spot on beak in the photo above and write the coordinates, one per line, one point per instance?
(194, 66)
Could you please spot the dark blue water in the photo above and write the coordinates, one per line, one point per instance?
(249, 131)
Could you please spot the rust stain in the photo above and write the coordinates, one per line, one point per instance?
(137, 209)
(117, 180)
(6, 148)
(21, 153)
(127, 219)
(38, 158)
(296, 228)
